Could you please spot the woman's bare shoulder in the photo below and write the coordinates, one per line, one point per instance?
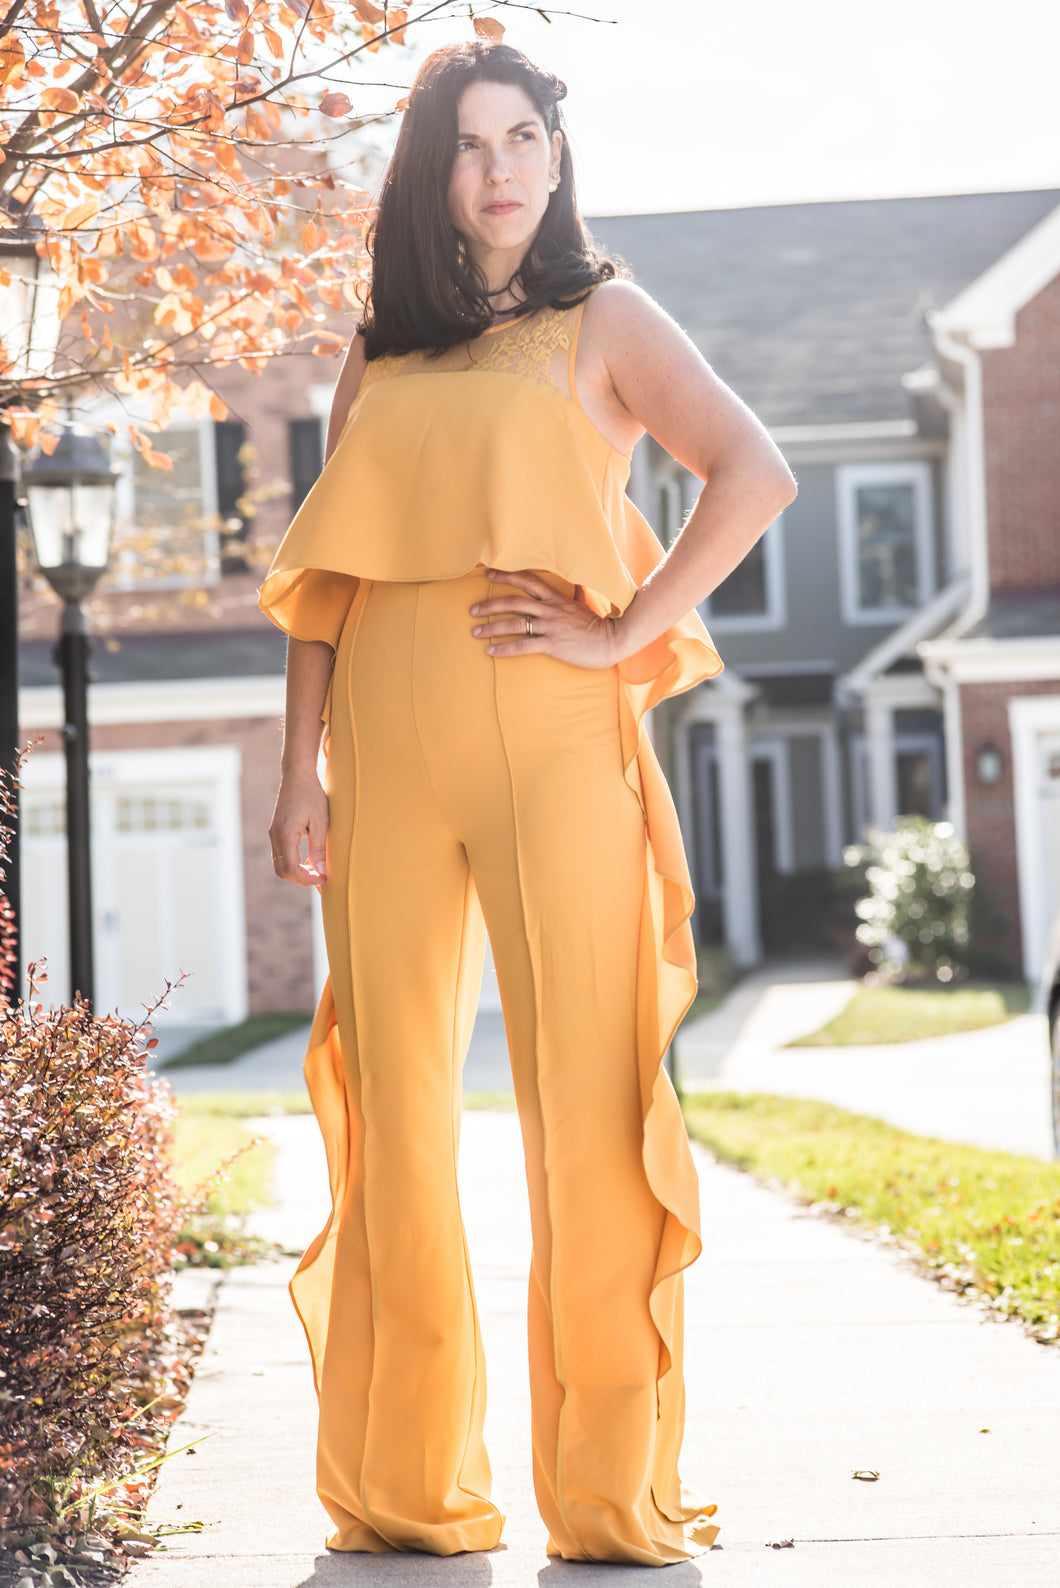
(619, 308)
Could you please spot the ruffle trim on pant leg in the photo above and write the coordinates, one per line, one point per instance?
(666, 986)
(311, 1284)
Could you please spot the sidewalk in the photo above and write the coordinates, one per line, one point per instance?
(987, 1088)
(810, 1353)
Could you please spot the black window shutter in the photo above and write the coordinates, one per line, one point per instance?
(306, 444)
(229, 438)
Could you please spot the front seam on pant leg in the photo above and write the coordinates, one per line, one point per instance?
(537, 1082)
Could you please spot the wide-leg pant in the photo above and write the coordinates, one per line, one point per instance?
(467, 790)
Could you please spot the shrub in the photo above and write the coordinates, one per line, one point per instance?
(914, 920)
(89, 1213)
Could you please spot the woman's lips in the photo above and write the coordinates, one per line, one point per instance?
(501, 208)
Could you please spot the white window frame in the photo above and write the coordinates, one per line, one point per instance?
(775, 615)
(850, 478)
(120, 415)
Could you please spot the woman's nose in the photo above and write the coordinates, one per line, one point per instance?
(498, 166)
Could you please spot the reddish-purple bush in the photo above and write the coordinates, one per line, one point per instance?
(89, 1214)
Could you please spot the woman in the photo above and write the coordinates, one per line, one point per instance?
(480, 619)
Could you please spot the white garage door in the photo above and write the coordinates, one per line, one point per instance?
(167, 880)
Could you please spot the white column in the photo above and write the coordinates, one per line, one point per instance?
(883, 771)
(736, 798)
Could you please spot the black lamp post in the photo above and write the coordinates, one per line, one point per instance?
(71, 509)
(29, 331)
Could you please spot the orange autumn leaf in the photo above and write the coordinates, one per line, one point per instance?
(245, 48)
(218, 408)
(25, 427)
(12, 58)
(309, 237)
(327, 349)
(368, 12)
(489, 28)
(61, 99)
(335, 104)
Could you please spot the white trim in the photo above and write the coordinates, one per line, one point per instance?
(722, 703)
(925, 621)
(164, 700)
(968, 471)
(903, 692)
(868, 430)
(849, 478)
(880, 765)
(775, 615)
(1028, 717)
(983, 661)
(821, 726)
(985, 312)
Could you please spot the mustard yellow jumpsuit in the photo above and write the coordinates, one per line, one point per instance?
(518, 796)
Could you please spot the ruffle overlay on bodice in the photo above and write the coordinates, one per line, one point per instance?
(436, 473)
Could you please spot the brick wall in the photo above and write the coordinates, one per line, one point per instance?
(278, 921)
(1021, 422)
(990, 808)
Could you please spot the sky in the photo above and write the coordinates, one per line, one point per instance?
(716, 103)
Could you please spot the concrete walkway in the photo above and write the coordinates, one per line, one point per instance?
(988, 1088)
(811, 1353)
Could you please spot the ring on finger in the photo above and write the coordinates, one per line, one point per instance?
(530, 626)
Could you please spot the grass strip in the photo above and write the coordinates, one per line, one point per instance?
(908, 1014)
(215, 1236)
(504, 1101)
(222, 1047)
(986, 1223)
(243, 1105)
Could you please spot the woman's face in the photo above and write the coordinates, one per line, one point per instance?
(504, 162)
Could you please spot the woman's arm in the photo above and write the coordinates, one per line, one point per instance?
(301, 805)
(662, 384)
(638, 371)
(347, 386)
(301, 810)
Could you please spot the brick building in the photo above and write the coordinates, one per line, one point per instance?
(998, 664)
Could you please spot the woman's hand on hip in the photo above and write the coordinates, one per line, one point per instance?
(301, 813)
(558, 626)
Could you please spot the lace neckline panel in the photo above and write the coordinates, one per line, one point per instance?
(537, 346)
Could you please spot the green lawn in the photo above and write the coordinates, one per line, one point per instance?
(906, 1014)
(231, 1043)
(989, 1220)
(204, 1138)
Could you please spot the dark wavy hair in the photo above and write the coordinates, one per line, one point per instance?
(425, 293)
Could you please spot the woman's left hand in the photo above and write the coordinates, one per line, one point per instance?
(566, 629)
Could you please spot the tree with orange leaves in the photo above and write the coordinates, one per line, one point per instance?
(169, 157)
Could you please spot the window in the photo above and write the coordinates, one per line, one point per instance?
(305, 439)
(165, 532)
(752, 597)
(885, 540)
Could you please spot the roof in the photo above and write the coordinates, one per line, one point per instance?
(985, 312)
(814, 312)
(1019, 614)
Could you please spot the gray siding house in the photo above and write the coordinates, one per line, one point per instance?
(818, 316)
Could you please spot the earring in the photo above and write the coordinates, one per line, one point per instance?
(554, 184)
